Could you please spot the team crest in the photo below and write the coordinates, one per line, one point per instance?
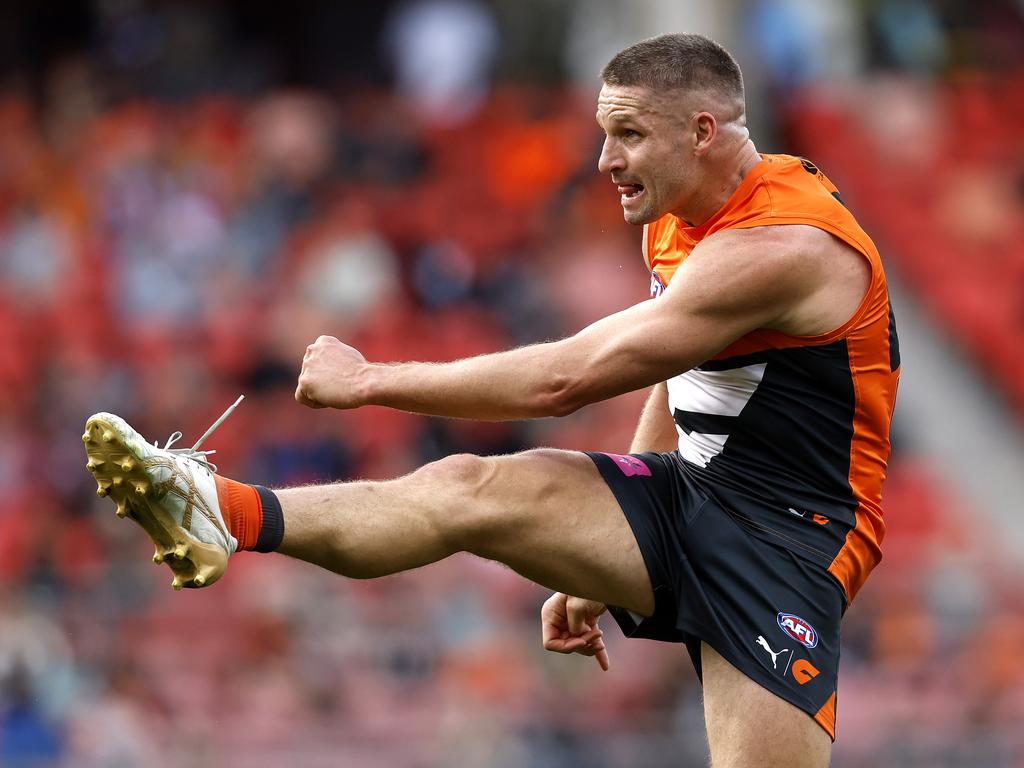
(657, 285)
(798, 629)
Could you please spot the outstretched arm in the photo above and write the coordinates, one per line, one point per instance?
(730, 285)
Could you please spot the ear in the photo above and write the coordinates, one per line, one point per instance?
(705, 131)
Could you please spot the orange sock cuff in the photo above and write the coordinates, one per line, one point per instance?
(242, 511)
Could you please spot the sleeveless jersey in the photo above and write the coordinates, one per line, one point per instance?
(790, 434)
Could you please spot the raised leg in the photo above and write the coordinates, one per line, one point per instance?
(545, 513)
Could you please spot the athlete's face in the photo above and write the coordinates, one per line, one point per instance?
(648, 150)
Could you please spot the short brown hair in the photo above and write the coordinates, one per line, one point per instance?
(680, 60)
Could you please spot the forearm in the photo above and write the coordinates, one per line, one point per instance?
(656, 430)
(524, 383)
(608, 358)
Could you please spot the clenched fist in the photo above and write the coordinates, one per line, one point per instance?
(333, 375)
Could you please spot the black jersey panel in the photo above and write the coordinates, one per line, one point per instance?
(784, 466)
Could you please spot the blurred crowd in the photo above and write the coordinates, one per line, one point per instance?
(161, 253)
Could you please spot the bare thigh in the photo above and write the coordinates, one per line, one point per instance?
(750, 727)
(547, 514)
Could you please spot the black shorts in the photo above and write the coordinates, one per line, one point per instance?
(767, 610)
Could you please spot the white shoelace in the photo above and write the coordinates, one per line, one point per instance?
(194, 453)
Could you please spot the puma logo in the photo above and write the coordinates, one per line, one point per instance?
(764, 644)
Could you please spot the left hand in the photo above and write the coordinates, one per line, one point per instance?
(569, 625)
(332, 375)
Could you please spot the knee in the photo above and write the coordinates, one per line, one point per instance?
(497, 480)
(462, 475)
(455, 484)
(462, 497)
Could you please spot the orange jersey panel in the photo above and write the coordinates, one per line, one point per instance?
(806, 440)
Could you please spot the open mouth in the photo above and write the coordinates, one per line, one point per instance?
(630, 192)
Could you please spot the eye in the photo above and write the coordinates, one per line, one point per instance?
(629, 133)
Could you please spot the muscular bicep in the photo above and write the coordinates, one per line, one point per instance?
(729, 286)
(739, 281)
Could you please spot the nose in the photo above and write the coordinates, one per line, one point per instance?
(611, 159)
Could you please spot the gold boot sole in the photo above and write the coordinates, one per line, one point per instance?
(122, 475)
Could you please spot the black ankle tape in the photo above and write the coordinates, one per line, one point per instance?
(272, 530)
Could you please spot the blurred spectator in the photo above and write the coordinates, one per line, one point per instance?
(27, 736)
(443, 52)
(34, 254)
(911, 36)
(801, 41)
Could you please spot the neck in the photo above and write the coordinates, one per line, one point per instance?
(714, 195)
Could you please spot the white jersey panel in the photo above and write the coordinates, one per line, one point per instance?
(713, 393)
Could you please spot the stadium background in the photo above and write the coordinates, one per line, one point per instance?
(191, 192)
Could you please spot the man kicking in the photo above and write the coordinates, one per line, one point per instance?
(747, 514)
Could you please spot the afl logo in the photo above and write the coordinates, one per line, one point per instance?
(798, 629)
